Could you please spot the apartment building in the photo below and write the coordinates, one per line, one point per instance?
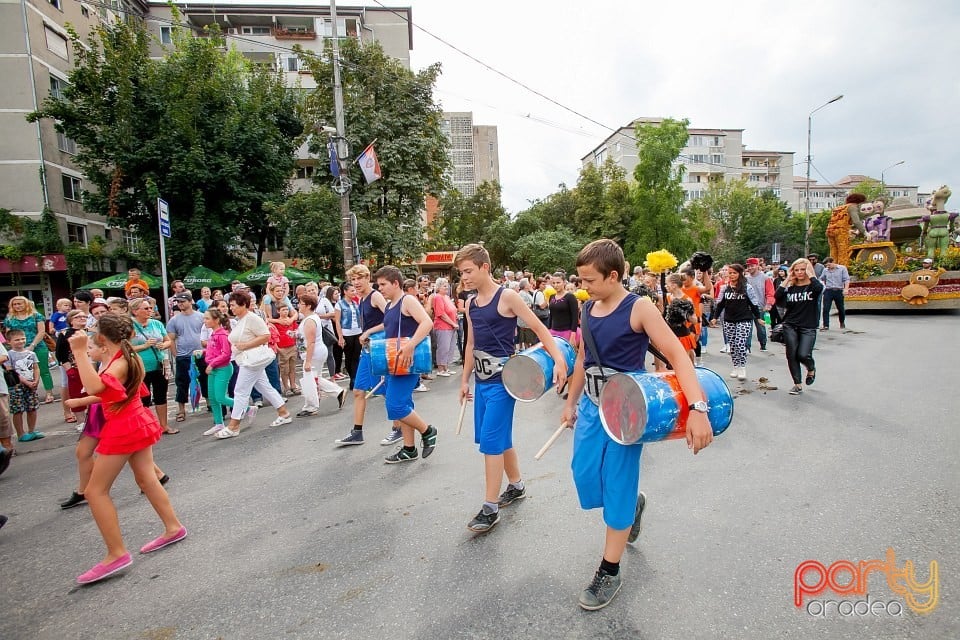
(828, 196)
(36, 163)
(709, 155)
(474, 152)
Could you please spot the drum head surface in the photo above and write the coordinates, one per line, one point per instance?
(623, 409)
(523, 378)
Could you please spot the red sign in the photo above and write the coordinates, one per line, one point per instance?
(35, 264)
(438, 256)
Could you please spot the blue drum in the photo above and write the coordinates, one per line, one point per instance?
(379, 335)
(650, 407)
(383, 357)
(529, 374)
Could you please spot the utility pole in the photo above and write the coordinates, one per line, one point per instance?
(343, 187)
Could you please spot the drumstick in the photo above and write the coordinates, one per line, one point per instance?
(374, 390)
(549, 443)
(463, 408)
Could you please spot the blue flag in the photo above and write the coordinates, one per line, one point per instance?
(334, 159)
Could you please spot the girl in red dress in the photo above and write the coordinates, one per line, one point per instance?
(128, 434)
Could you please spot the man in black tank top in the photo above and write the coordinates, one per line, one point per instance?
(493, 409)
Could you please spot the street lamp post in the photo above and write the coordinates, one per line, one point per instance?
(806, 235)
(883, 185)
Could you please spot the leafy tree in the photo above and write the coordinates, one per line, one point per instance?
(872, 189)
(311, 224)
(603, 204)
(542, 251)
(465, 219)
(386, 102)
(201, 128)
(658, 222)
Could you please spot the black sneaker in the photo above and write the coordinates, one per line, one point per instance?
(484, 521)
(600, 591)
(511, 495)
(637, 518)
(402, 455)
(5, 456)
(428, 441)
(74, 500)
(354, 437)
(3, 521)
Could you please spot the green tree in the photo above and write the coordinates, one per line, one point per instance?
(311, 225)
(465, 219)
(658, 221)
(201, 128)
(603, 204)
(386, 102)
(872, 189)
(542, 251)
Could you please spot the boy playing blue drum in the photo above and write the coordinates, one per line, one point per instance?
(607, 474)
(492, 320)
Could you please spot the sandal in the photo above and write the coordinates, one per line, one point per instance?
(181, 417)
(71, 419)
(170, 432)
(48, 400)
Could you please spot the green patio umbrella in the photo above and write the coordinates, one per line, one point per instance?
(116, 282)
(258, 275)
(203, 277)
(230, 275)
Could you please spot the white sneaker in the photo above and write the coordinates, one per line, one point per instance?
(251, 413)
(282, 420)
(422, 387)
(742, 373)
(698, 363)
(226, 432)
(735, 373)
(212, 430)
(725, 349)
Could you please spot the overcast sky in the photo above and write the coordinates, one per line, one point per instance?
(759, 66)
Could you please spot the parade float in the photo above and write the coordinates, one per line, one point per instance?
(888, 250)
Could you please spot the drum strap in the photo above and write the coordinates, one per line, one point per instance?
(592, 345)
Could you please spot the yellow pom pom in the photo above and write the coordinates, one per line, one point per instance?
(549, 292)
(582, 295)
(660, 261)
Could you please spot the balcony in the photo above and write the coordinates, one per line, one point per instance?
(281, 33)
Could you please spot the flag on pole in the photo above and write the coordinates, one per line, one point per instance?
(369, 164)
(334, 159)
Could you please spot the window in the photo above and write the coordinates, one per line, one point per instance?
(56, 87)
(76, 233)
(293, 63)
(255, 31)
(56, 4)
(56, 43)
(306, 172)
(346, 28)
(65, 144)
(166, 35)
(128, 240)
(695, 141)
(84, 12)
(71, 187)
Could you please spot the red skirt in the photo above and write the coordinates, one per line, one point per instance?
(134, 429)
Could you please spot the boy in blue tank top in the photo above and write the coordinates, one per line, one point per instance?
(607, 474)
(492, 321)
(404, 317)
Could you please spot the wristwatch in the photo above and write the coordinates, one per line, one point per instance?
(700, 406)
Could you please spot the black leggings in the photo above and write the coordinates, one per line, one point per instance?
(799, 342)
(351, 356)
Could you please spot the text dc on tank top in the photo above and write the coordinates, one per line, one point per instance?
(492, 338)
(621, 348)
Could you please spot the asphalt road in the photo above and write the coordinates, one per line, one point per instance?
(292, 538)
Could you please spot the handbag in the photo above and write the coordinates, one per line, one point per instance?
(542, 314)
(776, 333)
(259, 356)
(10, 377)
(328, 336)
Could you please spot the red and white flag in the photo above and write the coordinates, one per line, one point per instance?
(369, 164)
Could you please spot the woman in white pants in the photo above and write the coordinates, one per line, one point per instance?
(250, 332)
(314, 355)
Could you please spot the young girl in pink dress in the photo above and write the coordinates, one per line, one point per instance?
(127, 436)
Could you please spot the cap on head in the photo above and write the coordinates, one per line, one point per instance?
(753, 261)
(183, 296)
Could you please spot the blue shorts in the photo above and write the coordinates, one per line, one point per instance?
(605, 473)
(399, 392)
(492, 418)
(365, 379)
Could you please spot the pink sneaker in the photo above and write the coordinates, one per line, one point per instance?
(161, 542)
(101, 570)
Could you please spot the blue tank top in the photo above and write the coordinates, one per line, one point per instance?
(394, 321)
(620, 347)
(492, 333)
(370, 316)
